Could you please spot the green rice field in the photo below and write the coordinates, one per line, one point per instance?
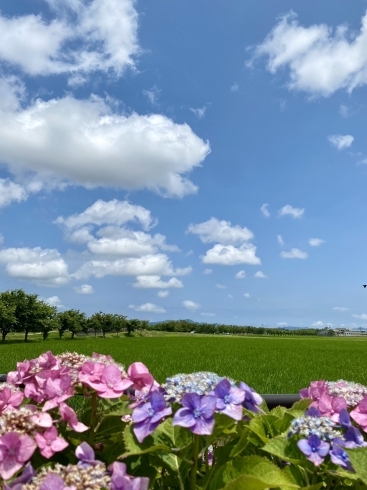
(269, 365)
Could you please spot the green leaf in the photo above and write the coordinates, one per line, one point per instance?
(302, 405)
(279, 412)
(250, 473)
(256, 427)
(286, 449)
(109, 427)
(358, 458)
(134, 448)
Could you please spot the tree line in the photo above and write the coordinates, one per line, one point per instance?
(26, 313)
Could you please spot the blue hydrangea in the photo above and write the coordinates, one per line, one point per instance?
(322, 427)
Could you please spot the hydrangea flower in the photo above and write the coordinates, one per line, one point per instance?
(322, 427)
(252, 399)
(68, 414)
(359, 414)
(10, 397)
(197, 413)
(314, 449)
(15, 450)
(201, 383)
(147, 416)
(120, 480)
(26, 476)
(106, 380)
(330, 406)
(338, 455)
(50, 443)
(229, 399)
(139, 374)
(84, 452)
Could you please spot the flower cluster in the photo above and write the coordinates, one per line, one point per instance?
(352, 392)
(322, 427)
(88, 474)
(201, 383)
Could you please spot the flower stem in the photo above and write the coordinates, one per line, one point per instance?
(93, 417)
(194, 468)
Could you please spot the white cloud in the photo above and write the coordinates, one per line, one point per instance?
(43, 267)
(230, 255)
(1, 239)
(291, 211)
(207, 271)
(282, 324)
(191, 305)
(199, 112)
(223, 232)
(340, 141)
(316, 242)
(235, 87)
(190, 252)
(320, 60)
(318, 324)
(207, 314)
(150, 282)
(54, 301)
(9, 192)
(260, 275)
(294, 253)
(148, 265)
(82, 37)
(84, 289)
(246, 295)
(152, 94)
(163, 294)
(99, 146)
(344, 110)
(264, 210)
(280, 240)
(148, 308)
(340, 308)
(363, 161)
(363, 316)
(221, 286)
(112, 212)
(240, 275)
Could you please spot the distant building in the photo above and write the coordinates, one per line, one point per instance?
(346, 332)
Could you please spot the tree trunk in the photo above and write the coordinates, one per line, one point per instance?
(26, 335)
(72, 335)
(3, 335)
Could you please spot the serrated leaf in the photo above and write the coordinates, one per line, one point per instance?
(250, 473)
(256, 426)
(286, 449)
(358, 458)
(301, 405)
(278, 412)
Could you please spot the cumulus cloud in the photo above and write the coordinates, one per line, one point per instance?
(265, 211)
(260, 275)
(246, 295)
(155, 282)
(230, 255)
(294, 253)
(320, 59)
(43, 267)
(54, 301)
(340, 141)
(340, 308)
(289, 210)
(207, 271)
(280, 240)
(318, 324)
(9, 192)
(99, 146)
(84, 289)
(363, 316)
(163, 294)
(148, 308)
(81, 37)
(221, 286)
(223, 232)
(112, 212)
(240, 275)
(191, 305)
(199, 112)
(148, 265)
(316, 242)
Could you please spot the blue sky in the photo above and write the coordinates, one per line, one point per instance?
(202, 160)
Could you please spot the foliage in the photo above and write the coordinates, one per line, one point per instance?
(193, 432)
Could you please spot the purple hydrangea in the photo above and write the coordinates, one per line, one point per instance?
(314, 449)
(338, 455)
(147, 416)
(197, 413)
(229, 399)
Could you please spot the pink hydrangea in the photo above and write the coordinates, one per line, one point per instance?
(50, 443)
(15, 450)
(141, 377)
(330, 406)
(359, 414)
(10, 398)
(68, 414)
(108, 382)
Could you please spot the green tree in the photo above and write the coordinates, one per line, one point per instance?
(8, 319)
(73, 321)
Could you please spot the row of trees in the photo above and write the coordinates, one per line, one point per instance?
(216, 328)
(26, 313)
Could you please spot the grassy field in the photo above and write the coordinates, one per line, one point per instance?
(269, 365)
